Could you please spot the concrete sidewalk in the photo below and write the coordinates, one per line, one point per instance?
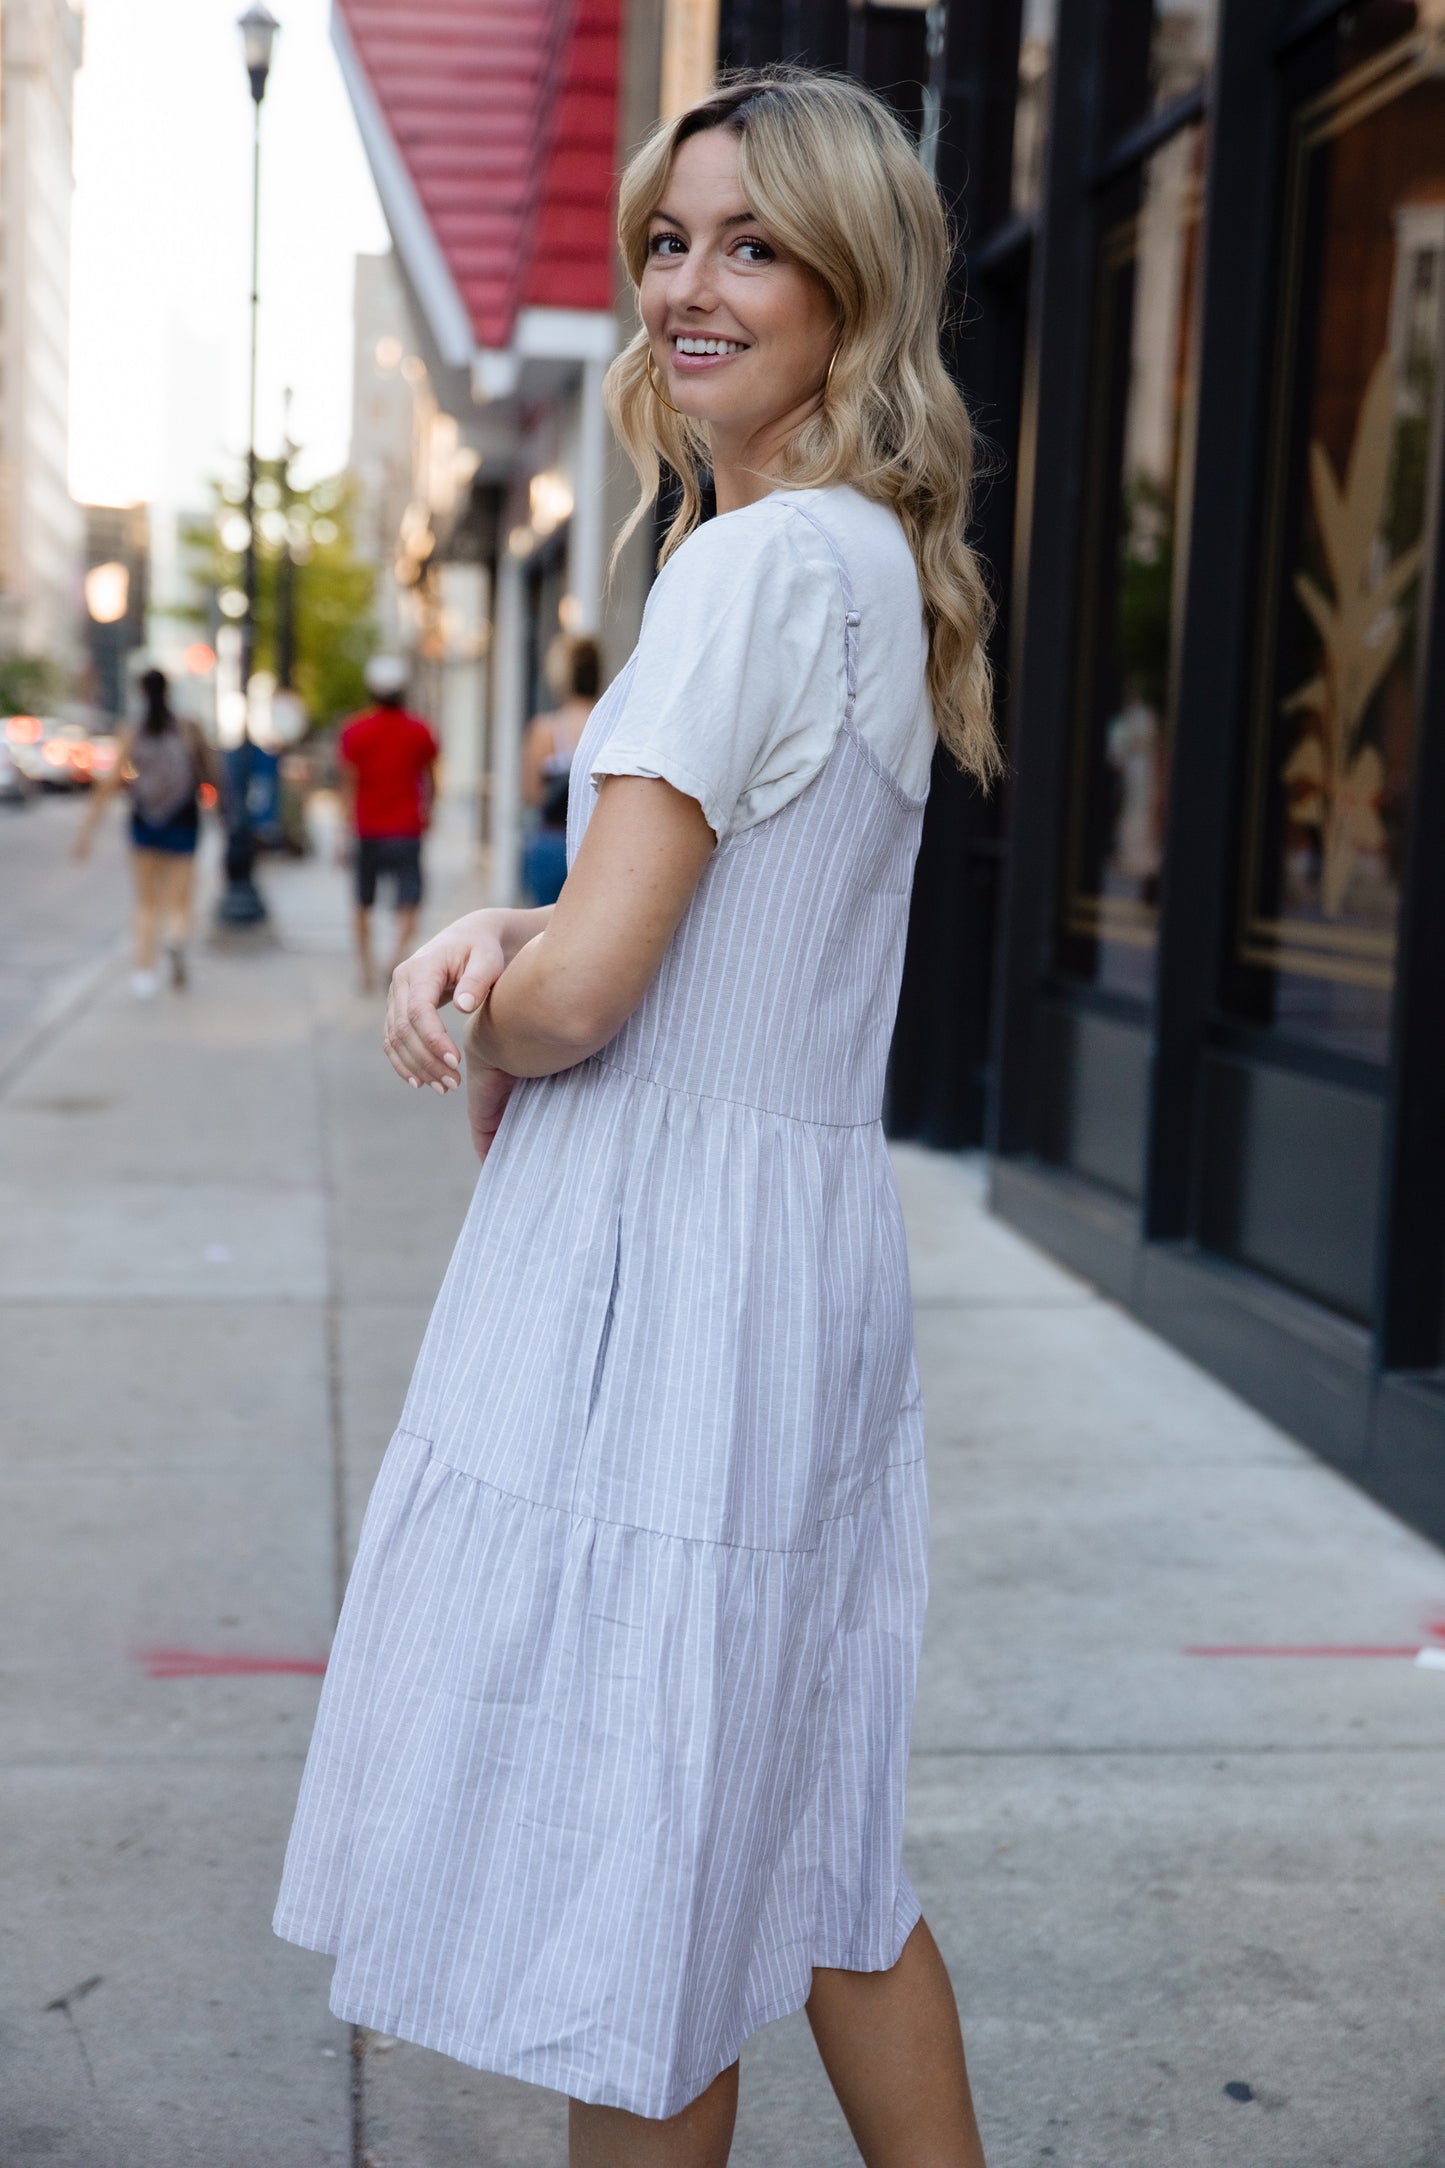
(1163, 1880)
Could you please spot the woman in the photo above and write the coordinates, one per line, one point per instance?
(167, 763)
(574, 672)
(610, 1763)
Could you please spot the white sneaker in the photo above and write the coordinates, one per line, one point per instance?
(145, 985)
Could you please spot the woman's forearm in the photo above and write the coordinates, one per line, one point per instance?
(532, 1022)
(568, 992)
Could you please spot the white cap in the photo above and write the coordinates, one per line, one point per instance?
(385, 674)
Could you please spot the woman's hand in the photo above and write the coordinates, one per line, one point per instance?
(461, 964)
(488, 1091)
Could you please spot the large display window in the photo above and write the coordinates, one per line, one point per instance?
(1137, 487)
(1352, 504)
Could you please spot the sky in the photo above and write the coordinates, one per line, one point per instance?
(161, 246)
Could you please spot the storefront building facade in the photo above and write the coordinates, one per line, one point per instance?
(1185, 977)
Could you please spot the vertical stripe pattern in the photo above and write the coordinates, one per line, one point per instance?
(612, 1746)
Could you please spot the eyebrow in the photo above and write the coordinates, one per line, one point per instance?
(739, 218)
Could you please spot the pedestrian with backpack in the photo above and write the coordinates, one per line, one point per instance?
(167, 764)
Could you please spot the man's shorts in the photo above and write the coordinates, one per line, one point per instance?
(396, 857)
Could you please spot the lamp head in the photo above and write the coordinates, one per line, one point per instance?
(258, 28)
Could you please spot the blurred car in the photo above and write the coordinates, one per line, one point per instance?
(22, 735)
(14, 784)
(56, 755)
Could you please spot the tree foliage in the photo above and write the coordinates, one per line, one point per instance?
(30, 685)
(335, 631)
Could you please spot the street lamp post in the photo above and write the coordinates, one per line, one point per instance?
(286, 570)
(242, 905)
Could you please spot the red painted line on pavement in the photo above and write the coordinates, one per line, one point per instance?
(194, 1664)
(1321, 1649)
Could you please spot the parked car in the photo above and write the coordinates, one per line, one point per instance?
(56, 755)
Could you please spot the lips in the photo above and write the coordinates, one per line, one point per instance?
(697, 343)
(694, 353)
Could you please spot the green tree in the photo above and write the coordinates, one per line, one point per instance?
(29, 685)
(335, 631)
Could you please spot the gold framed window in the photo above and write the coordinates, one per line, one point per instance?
(1351, 510)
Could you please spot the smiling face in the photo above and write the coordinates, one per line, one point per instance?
(741, 334)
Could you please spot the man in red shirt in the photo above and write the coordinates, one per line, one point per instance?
(387, 769)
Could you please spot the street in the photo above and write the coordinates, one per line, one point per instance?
(57, 919)
(1192, 1903)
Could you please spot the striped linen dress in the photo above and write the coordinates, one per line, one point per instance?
(612, 1746)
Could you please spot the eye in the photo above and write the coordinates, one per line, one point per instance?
(664, 244)
(761, 251)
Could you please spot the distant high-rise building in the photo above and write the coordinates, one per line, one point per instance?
(40, 527)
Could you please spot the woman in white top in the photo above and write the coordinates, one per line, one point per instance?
(609, 1766)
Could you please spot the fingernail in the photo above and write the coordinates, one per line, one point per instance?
(464, 1002)
(451, 1061)
(413, 1083)
(440, 1090)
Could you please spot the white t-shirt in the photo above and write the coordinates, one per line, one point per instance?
(738, 684)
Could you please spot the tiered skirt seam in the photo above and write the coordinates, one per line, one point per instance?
(663, 1535)
(720, 1099)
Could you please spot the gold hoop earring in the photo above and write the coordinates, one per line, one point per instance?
(832, 365)
(657, 390)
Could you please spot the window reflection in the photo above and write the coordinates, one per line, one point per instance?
(1355, 483)
(1031, 110)
(1181, 47)
(1136, 521)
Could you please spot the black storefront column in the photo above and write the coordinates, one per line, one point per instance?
(1237, 301)
(938, 1079)
(1051, 472)
(1412, 1253)
(1407, 1441)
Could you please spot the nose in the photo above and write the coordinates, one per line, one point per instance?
(694, 283)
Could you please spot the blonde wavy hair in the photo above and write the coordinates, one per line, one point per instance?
(831, 172)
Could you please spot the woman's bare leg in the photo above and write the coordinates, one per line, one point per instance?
(179, 883)
(179, 891)
(700, 2137)
(893, 2051)
(148, 870)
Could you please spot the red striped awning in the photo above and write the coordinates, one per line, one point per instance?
(504, 114)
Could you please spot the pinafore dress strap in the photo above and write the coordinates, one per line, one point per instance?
(850, 616)
(851, 621)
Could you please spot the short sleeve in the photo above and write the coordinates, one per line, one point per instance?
(738, 684)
